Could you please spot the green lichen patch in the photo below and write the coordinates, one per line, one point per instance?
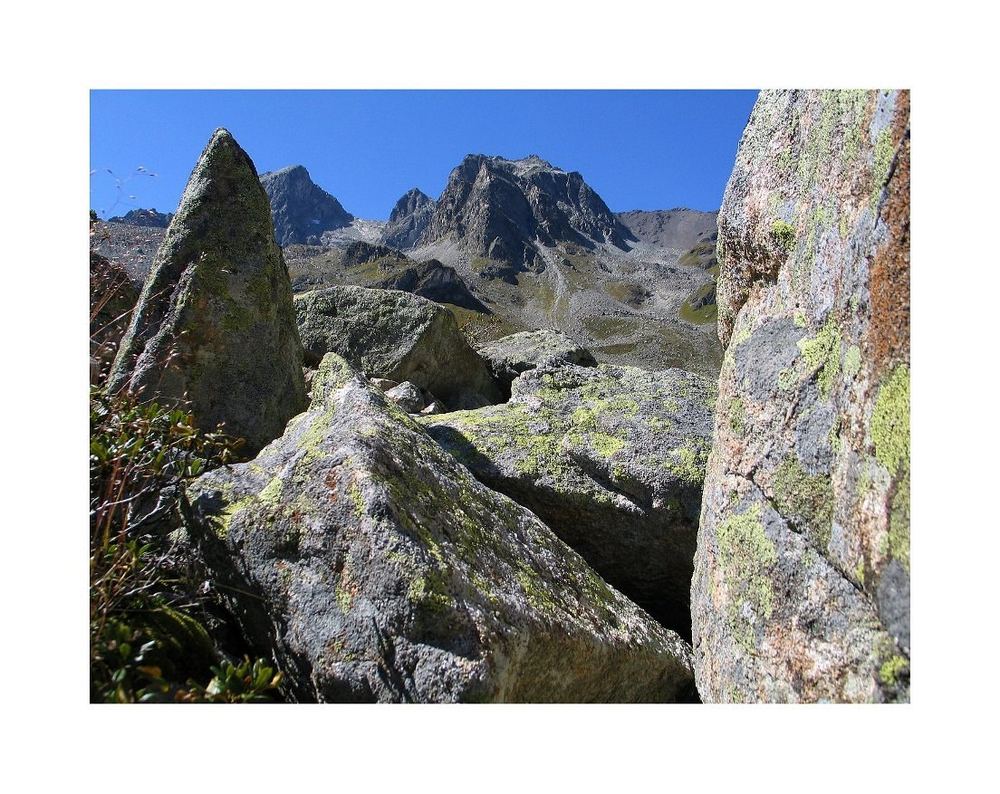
(431, 591)
(736, 415)
(852, 362)
(746, 555)
(893, 669)
(783, 235)
(804, 499)
(890, 425)
(822, 353)
(689, 461)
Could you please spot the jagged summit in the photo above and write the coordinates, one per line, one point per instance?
(507, 210)
(408, 219)
(301, 209)
(144, 217)
(411, 201)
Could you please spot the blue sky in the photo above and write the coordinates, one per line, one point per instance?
(637, 149)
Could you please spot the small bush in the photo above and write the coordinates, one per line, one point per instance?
(147, 641)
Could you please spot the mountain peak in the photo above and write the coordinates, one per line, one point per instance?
(408, 219)
(301, 209)
(520, 207)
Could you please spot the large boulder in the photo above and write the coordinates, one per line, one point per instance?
(510, 356)
(583, 448)
(374, 567)
(395, 335)
(801, 587)
(215, 326)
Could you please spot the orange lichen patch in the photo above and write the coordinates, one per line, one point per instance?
(888, 340)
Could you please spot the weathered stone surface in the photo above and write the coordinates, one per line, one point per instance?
(374, 567)
(301, 210)
(801, 586)
(398, 336)
(215, 324)
(382, 384)
(510, 356)
(407, 396)
(433, 409)
(583, 448)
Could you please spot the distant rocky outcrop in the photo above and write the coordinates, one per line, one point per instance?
(361, 252)
(215, 327)
(678, 228)
(510, 356)
(141, 217)
(504, 210)
(301, 210)
(408, 219)
(436, 282)
(612, 459)
(373, 567)
(801, 586)
(398, 336)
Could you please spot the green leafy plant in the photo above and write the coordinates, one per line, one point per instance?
(147, 641)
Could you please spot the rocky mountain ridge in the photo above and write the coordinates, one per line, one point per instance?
(506, 211)
(144, 217)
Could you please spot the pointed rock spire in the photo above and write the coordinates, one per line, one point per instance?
(215, 327)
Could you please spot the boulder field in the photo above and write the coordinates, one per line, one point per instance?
(375, 567)
(545, 528)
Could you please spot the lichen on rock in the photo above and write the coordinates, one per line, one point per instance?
(214, 327)
(374, 567)
(397, 336)
(813, 296)
(584, 448)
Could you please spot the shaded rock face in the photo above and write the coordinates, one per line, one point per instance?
(301, 209)
(408, 219)
(504, 210)
(436, 282)
(801, 586)
(141, 217)
(398, 336)
(510, 356)
(373, 567)
(215, 327)
(583, 449)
